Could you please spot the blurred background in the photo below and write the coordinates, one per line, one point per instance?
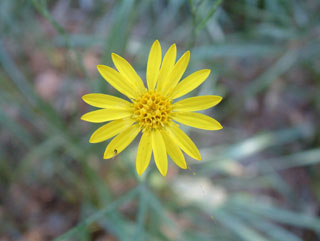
(259, 178)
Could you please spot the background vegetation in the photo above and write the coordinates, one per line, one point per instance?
(259, 178)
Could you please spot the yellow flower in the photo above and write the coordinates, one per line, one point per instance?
(151, 110)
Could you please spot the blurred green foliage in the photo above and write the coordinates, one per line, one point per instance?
(259, 178)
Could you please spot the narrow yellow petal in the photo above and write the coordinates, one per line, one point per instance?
(128, 72)
(144, 152)
(184, 141)
(174, 151)
(197, 120)
(189, 83)
(176, 73)
(166, 66)
(121, 141)
(111, 129)
(117, 81)
(196, 103)
(99, 116)
(106, 101)
(159, 152)
(153, 65)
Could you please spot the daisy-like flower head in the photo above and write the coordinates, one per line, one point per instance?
(151, 110)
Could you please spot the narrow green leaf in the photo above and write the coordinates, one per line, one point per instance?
(212, 10)
(93, 218)
(236, 225)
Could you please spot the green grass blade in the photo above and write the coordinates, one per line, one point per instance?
(303, 158)
(236, 225)
(298, 219)
(93, 218)
(276, 232)
(19, 80)
(161, 212)
(142, 212)
(235, 50)
(212, 10)
(280, 67)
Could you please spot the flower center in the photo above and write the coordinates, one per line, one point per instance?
(152, 110)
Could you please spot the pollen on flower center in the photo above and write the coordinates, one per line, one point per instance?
(152, 110)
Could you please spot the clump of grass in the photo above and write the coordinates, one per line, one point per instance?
(259, 177)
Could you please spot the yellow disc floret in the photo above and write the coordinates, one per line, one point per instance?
(152, 110)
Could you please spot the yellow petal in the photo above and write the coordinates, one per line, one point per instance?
(153, 65)
(104, 115)
(117, 81)
(174, 151)
(128, 72)
(189, 83)
(144, 153)
(159, 152)
(166, 66)
(176, 73)
(197, 120)
(110, 130)
(196, 103)
(121, 141)
(106, 101)
(184, 141)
